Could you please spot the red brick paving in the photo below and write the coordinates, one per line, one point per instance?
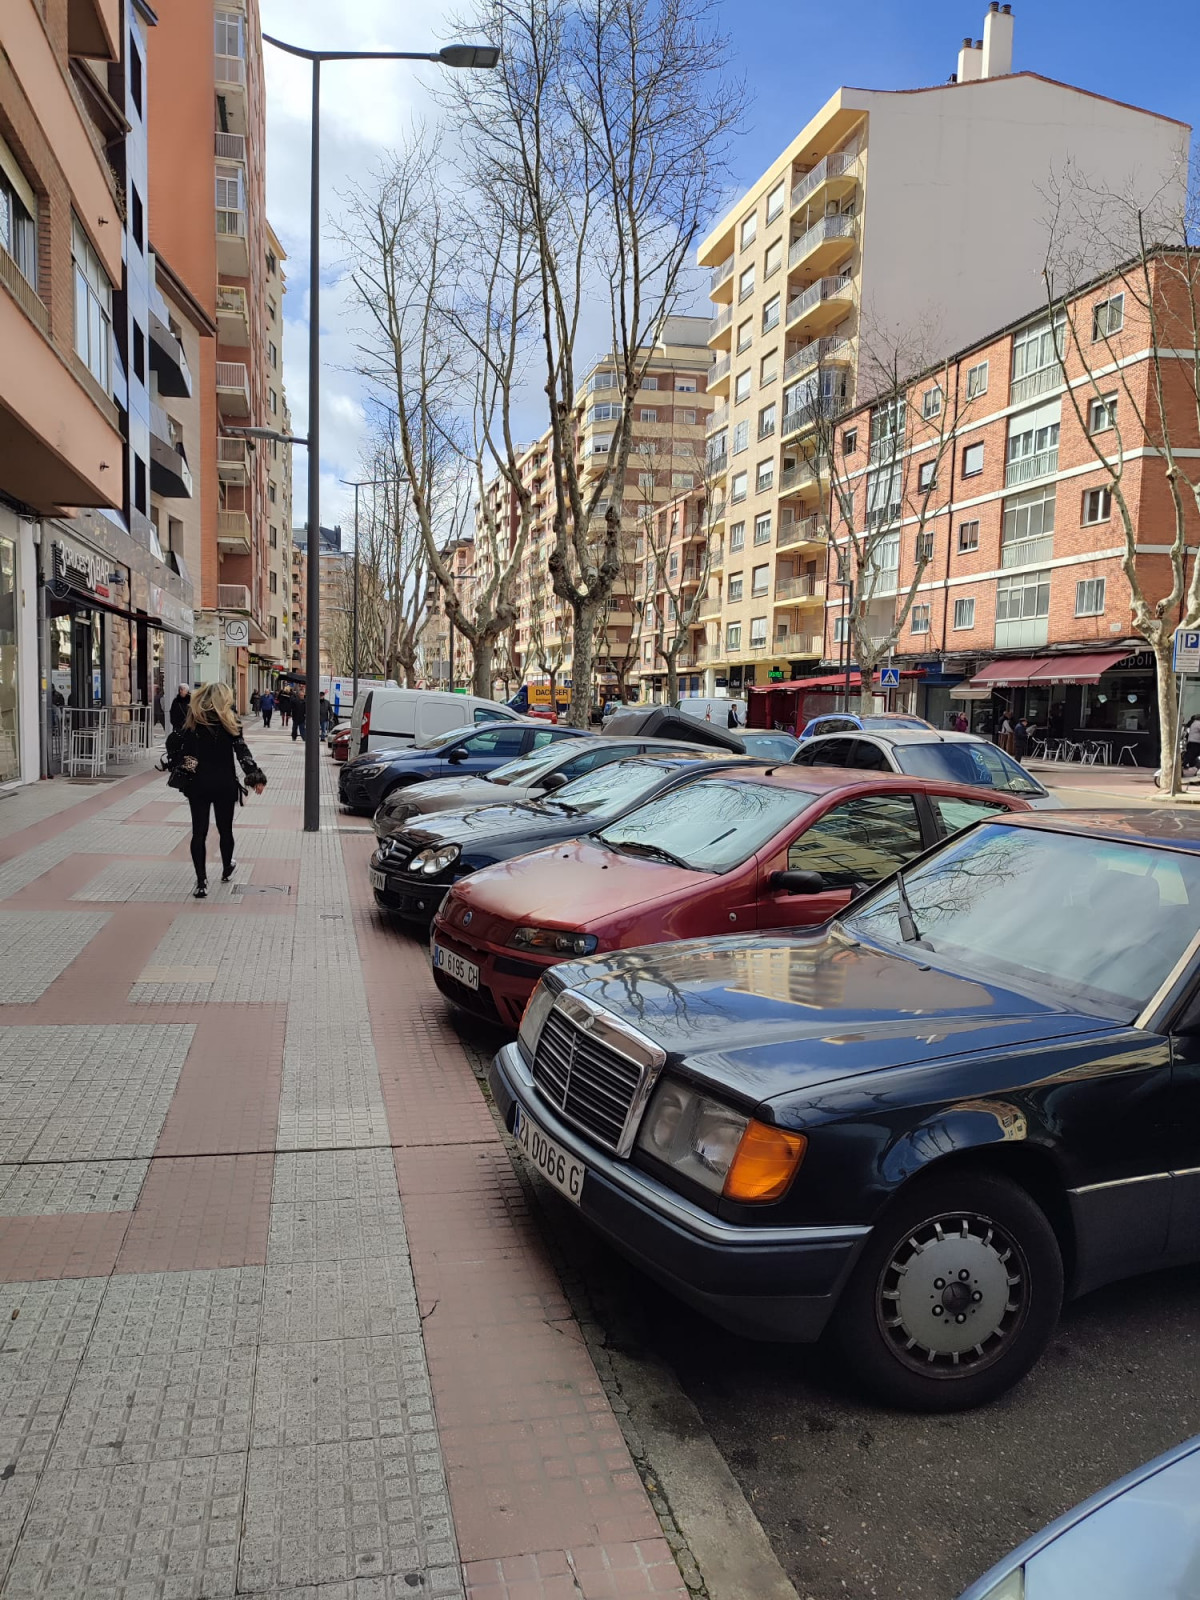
(197, 1212)
(50, 827)
(81, 1244)
(227, 1097)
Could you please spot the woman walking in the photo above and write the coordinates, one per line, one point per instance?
(201, 758)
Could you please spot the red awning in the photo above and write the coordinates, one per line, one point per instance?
(1004, 674)
(1047, 669)
(832, 680)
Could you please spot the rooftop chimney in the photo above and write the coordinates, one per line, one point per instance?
(997, 41)
(970, 61)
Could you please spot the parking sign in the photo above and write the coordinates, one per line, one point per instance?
(1187, 652)
(889, 677)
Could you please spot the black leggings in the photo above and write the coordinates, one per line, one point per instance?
(223, 808)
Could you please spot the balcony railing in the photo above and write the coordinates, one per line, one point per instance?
(721, 321)
(799, 477)
(717, 560)
(233, 597)
(798, 644)
(233, 460)
(836, 227)
(231, 224)
(802, 588)
(231, 302)
(1035, 383)
(719, 369)
(23, 291)
(233, 387)
(721, 273)
(833, 166)
(1026, 468)
(230, 69)
(814, 353)
(718, 460)
(1033, 552)
(804, 530)
(230, 146)
(233, 532)
(718, 416)
(824, 289)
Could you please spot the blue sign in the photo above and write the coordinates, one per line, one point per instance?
(889, 677)
(1187, 651)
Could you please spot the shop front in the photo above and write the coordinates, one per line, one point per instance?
(1101, 700)
(18, 649)
(89, 650)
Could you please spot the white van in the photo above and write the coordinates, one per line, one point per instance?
(389, 719)
(715, 711)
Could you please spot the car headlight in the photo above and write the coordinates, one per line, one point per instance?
(436, 859)
(555, 941)
(537, 1009)
(717, 1147)
(371, 771)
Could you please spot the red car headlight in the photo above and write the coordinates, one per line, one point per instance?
(554, 941)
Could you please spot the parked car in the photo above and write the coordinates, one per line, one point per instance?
(918, 1126)
(339, 743)
(755, 847)
(854, 721)
(388, 718)
(411, 871)
(715, 710)
(663, 722)
(763, 746)
(1136, 1539)
(527, 778)
(926, 753)
(366, 780)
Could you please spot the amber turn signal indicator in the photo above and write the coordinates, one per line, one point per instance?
(766, 1162)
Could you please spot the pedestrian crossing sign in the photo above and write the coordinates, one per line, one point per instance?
(889, 677)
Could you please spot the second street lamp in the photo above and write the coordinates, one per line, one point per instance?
(470, 56)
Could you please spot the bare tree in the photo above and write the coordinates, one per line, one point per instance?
(546, 650)
(1155, 401)
(680, 553)
(599, 143)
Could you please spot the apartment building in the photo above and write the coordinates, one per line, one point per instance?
(336, 564)
(87, 592)
(275, 654)
(892, 218)
(1024, 604)
(208, 202)
(447, 662)
(670, 416)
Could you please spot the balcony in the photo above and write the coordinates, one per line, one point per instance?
(230, 146)
(233, 318)
(816, 353)
(718, 372)
(710, 606)
(233, 597)
(170, 477)
(1022, 633)
(717, 560)
(233, 533)
(233, 254)
(167, 358)
(233, 460)
(826, 244)
(233, 389)
(797, 418)
(795, 480)
(1034, 384)
(820, 305)
(229, 75)
(1027, 552)
(799, 589)
(718, 416)
(803, 530)
(718, 461)
(721, 275)
(839, 165)
(721, 324)
(793, 645)
(1044, 464)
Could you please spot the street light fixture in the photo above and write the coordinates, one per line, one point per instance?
(471, 56)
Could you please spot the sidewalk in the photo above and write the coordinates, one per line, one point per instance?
(274, 1318)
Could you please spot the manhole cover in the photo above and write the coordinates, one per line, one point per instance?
(261, 888)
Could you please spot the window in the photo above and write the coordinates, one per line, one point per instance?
(841, 629)
(686, 418)
(977, 380)
(887, 430)
(737, 487)
(1108, 317)
(883, 497)
(749, 229)
(228, 34)
(849, 441)
(1023, 596)
(137, 217)
(605, 412)
(274, 538)
(758, 632)
(139, 354)
(735, 587)
(764, 476)
(1089, 597)
(18, 225)
(1097, 506)
(495, 741)
(770, 314)
(93, 309)
(737, 536)
(271, 493)
(273, 584)
(1027, 530)
(135, 75)
(647, 480)
(741, 386)
(766, 421)
(758, 579)
(741, 435)
(139, 485)
(775, 201)
(972, 464)
(673, 565)
(272, 353)
(927, 476)
(682, 480)
(955, 815)
(647, 414)
(968, 537)
(1035, 351)
(682, 385)
(1102, 414)
(964, 613)
(931, 402)
(746, 283)
(918, 619)
(648, 651)
(602, 380)
(1033, 444)
(924, 551)
(274, 627)
(768, 368)
(860, 841)
(745, 335)
(773, 259)
(733, 636)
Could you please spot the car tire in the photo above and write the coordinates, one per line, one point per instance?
(954, 1297)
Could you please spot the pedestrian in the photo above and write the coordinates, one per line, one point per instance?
(733, 720)
(159, 715)
(201, 757)
(254, 701)
(1191, 753)
(267, 706)
(298, 714)
(179, 707)
(284, 706)
(326, 714)
(1020, 738)
(1005, 740)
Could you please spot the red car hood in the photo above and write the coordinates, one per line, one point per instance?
(577, 884)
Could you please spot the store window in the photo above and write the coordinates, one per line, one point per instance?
(10, 747)
(93, 310)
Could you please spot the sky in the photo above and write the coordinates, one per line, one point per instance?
(792, 54)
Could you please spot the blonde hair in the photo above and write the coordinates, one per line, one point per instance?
(212, 705)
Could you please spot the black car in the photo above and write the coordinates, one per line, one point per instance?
(411, 870)
(918, 1127)
(369, 778)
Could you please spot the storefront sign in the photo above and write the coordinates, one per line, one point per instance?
(81, 568)
(174, 614)
(237, 632)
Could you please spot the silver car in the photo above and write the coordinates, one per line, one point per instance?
(926, 753)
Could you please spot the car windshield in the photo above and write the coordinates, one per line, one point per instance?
(1102, 920)
(979, 763)
(884, 723)
(770, 746)
(435, 741)
(526, 768)
(710, 825)
(608, 788)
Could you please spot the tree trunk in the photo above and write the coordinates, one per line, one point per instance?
(672, 677)
(1168, 718)
(481, 678)
(586, 618)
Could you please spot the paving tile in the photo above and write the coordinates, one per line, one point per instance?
(338, 1390)
(172, 1311)
(39, 1189)
(153, 881)
(63, 1246)
(335, 1175)
(335, 1230)
(196, 1212)
(312, 1300)
(36, 947)
(219, 957)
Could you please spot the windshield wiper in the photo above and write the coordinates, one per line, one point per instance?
(909, 931)
(638, 847)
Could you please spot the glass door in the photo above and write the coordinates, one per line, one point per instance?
(10, 745)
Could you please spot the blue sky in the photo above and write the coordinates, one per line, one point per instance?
(793, 54)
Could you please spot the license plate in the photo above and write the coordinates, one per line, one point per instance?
(555, 1164)
(456, 966)
(378, 881)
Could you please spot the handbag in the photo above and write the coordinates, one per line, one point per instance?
(182, 773)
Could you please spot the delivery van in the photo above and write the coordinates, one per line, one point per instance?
(389, 719)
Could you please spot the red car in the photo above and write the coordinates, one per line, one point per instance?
(734, 850)
(339, 743)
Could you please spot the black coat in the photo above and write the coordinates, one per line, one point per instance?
(214, 750)
(179, 711)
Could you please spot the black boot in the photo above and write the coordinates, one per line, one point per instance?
(201, 889)
(228, 872)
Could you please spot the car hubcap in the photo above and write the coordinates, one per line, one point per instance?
(953, 1294)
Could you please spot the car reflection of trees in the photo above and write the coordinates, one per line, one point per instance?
(726, 804)
(859, 841)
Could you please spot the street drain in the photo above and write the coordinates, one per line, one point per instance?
(262, 888)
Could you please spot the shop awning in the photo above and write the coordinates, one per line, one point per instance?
(831, 680)
(967, 691)
(1020, 670)
(1005, 674)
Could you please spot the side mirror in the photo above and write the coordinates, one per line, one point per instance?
(456, 757)
(552, 781)
(797, 882)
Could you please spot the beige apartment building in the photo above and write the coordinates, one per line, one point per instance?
(895, 220)
(275, 653)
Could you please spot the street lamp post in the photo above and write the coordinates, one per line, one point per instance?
(477, 56)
